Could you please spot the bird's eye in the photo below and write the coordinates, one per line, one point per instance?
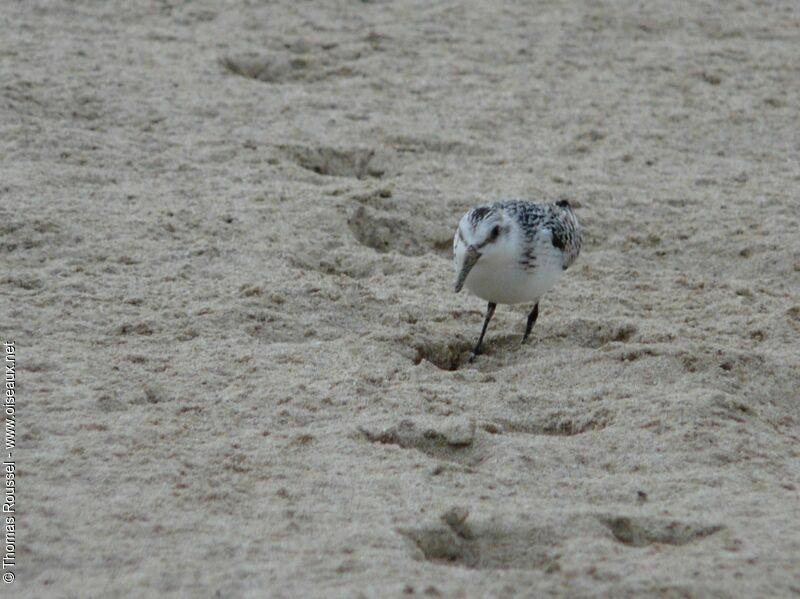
(495, 231)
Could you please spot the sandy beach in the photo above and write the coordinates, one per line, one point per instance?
(226, 264)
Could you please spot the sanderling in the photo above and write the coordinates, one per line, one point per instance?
(513, 251)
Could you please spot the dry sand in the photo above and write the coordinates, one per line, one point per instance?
(225, 234)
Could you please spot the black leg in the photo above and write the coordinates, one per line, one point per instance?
(489, 314)
(531, 321)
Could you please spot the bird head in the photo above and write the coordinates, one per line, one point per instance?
(483, 233)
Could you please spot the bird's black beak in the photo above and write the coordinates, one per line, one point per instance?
(469, 261)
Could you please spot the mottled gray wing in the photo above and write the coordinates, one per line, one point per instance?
(567, 239)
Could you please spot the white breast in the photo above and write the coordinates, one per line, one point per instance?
(501, 279)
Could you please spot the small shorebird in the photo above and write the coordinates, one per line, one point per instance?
(513, 251)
